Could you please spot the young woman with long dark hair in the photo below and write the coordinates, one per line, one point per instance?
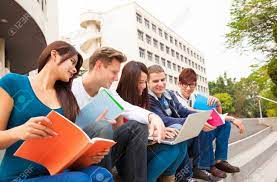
(24, 103)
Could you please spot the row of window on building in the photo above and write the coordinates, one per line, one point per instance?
(168, 64)
(169, 51)
(167, 37)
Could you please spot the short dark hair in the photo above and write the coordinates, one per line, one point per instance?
(187, 75)
(106, 55)
(155, 69)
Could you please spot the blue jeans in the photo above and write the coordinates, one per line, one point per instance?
(165, 159)
(184, 171)
(90, 174)
(207, 156)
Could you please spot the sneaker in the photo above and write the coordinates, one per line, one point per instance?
(226, 167)
(201, 174)
(217, 172)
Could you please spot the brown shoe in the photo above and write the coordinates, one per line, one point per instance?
(167, 178)
(226, 167)
(217, 172)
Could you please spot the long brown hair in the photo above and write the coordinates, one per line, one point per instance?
(68, 102)
(128, 84)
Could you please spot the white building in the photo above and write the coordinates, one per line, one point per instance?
(142, 37)
(26, 27)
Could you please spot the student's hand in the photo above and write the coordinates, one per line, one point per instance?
(35, 127)
(208, 127)
(102, 116)
(238, 123)
(99, 156)
(171, 132)
(156, 124)
(213, 101)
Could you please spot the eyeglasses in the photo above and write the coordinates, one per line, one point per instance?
(190, 85)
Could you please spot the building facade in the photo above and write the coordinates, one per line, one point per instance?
(142, 37)
(26, 27)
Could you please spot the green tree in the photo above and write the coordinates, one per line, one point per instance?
(254, 25)
(226, 102)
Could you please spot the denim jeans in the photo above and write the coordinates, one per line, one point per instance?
(184, 171)
(129, 154)
(221, 135)
(164, 159)
(90, 174)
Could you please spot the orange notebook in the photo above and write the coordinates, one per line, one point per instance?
(70, 148)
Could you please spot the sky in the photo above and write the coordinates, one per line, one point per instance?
(203, 23)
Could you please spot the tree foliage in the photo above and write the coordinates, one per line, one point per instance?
(254, 25)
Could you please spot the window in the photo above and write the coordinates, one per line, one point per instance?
(155, 43)
(191, 53)
(140, 35)
(172, 53)
(192, 64)
(175, 80)
(176, 42)
(148, 39)
(163, 61)
(180, 45)
(179, 68)
(184, 48)
(174, 67)
(170, 79)
(157, 59)
(189, 62)
(154, 27)
(139, 19)
(188, 50)
(171, 39)
(166, 36)
(141, 53)
(162, 46)
(167, 50)
(146, 22)
(186, 60)
(150, 56)
(168, 64)
(166, 77)
(182, 58)
(160, 32)
(177, 55)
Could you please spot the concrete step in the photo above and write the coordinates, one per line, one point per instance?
(250, 159)
(266, 172)
(245, 143)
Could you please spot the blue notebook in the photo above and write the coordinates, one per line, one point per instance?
(103, 100)
(201, 103)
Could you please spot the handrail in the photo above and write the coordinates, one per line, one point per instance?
(260, 106)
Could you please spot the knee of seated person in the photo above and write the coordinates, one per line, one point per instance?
(101, 174)
(139, 129)
(227, 125)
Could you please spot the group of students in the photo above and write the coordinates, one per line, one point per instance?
(149, 110)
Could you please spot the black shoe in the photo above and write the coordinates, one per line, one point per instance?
(226, 167)
(217, 172)
(201, 174)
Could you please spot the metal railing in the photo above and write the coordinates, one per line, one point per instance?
(260, 106)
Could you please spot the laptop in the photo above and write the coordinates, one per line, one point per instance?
(190, 129)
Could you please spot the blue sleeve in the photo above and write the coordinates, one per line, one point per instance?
(8, 82)
(155, 107)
